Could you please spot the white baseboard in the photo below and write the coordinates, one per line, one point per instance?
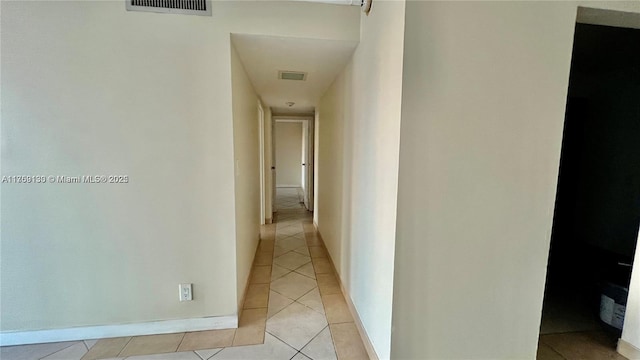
(356, 317)
(627, 350)
(288, 186)
(107, 331)
(352, 308)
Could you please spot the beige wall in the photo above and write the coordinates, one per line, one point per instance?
(89, 88)
(246, 150)
(331, 176)
(484, 95)
(288, 153)
(359, 139)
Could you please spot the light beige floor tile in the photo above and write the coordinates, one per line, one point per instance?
(291, 260)
(207, 353)
(251, 327)
(290, 243)
(106, 348)
(317, 252)
(277, 251)
(281, 238)
(336, 309)
(267, 233)
(283, 223)
(328, 284)
(261, 274)
(307, 270)
(257, 296)
(185, 355)
(73, 352)
(278, 271)
(90, 343)
(277, 302)
(583, 346)
(322, 266)
(347, 342)
(303, 250)
(300, 356)
(321, 347)
(293, 285)
(313, 240)
(547, 353)
(293, 229)
(152, 344)
(253, 317)
(296, 325)
(313, 300)
(35, 351)
(272, 349)
(297, 237)
(266, 245)
(267, 229)
(210, 339)
(263, 258)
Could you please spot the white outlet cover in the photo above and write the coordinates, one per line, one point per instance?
(186, 293)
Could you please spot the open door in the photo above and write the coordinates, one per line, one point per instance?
(274, 180)
(308, 164)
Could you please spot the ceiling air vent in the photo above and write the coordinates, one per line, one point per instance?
(292, 75)
(186, 7)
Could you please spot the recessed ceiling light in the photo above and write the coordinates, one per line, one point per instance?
(292, 75)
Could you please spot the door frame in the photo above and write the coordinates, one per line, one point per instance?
(614, 18)
(308, 123)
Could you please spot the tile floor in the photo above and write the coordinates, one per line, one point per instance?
(293, 310)
(289, 198)
(571, 330)
(585, 345)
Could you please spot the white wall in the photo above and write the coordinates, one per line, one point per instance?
(246, 141)
(631, 330)
(288, 153)
(359, 139)
(484, 95)
(89, 88)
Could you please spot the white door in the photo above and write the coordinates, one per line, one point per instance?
(273, 166)
(303, 160)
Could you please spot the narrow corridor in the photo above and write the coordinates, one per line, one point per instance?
(294, 309)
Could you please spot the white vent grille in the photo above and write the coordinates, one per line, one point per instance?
(292, 75)
(186, 7)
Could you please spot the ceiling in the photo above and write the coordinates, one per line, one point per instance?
(264, 56)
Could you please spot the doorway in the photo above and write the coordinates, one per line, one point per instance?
(597, 210)
(293, 159)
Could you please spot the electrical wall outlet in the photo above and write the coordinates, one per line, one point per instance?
(186, 293)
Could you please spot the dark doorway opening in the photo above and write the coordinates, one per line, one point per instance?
(597, 211)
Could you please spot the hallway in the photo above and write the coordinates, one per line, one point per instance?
(294, 309)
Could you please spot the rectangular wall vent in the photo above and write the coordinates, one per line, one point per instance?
(185, 7)
(292, 75)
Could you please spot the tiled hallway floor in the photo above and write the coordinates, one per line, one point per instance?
(294, 309)
(585, 345)
(289, 198)
(571, 330)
